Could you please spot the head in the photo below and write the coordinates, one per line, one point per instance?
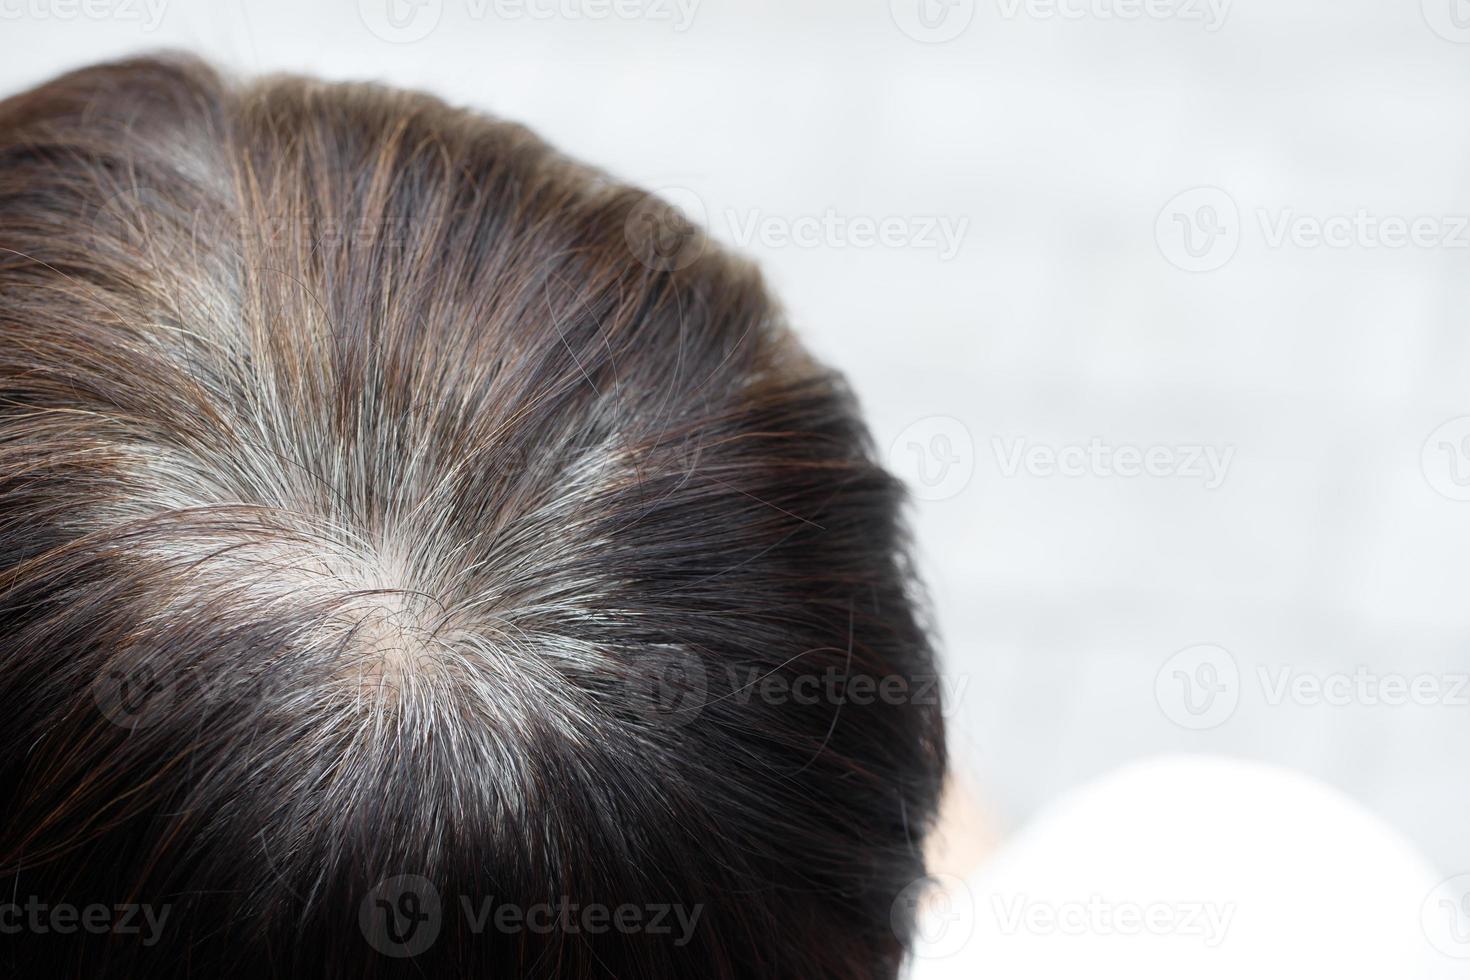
(423, 555)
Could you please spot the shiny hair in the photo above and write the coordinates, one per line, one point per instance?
(423, 555)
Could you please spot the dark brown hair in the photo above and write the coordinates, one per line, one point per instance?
(422, 555)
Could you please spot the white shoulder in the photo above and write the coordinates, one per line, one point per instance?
(1200, 867)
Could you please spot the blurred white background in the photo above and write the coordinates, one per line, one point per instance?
(1221, 246)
